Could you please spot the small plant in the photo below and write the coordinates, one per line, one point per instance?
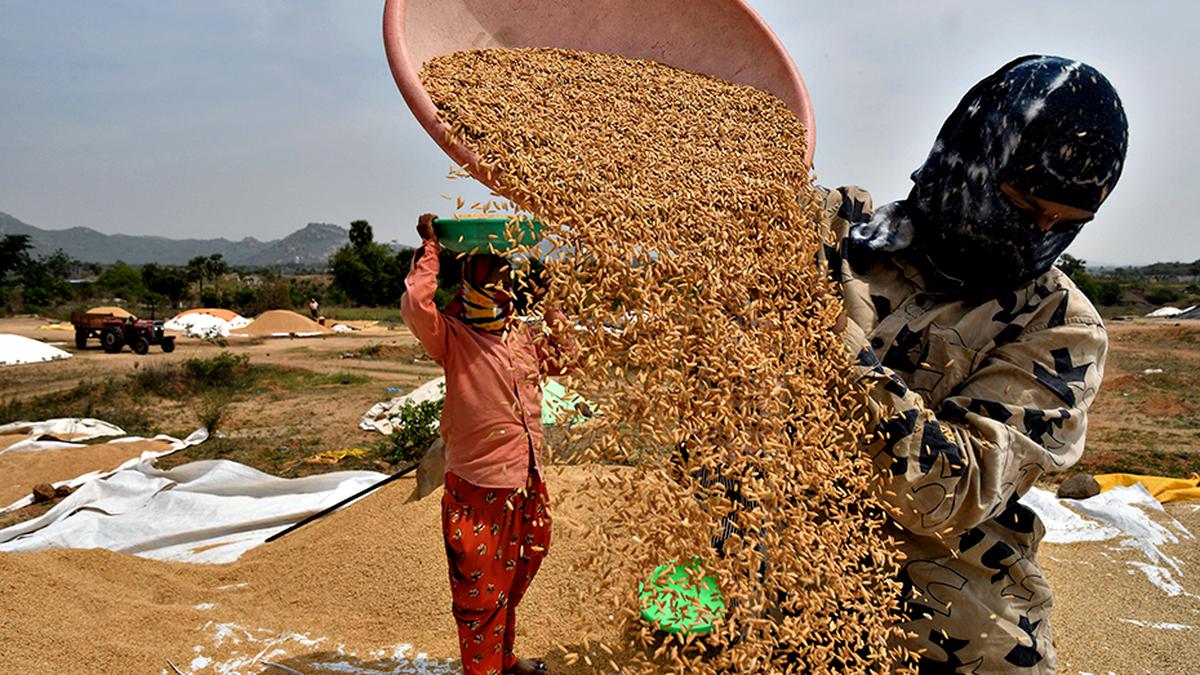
(210, 411)
(160, 379)
(223, 371)
(414, 429)
(442, 296)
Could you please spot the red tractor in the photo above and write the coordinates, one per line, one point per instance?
(114, 332)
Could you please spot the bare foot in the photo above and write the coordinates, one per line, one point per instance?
(527, 667)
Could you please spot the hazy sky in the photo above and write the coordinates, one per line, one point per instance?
(242, 118)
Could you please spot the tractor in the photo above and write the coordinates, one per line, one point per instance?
(114, 332)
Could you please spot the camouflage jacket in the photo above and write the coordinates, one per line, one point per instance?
(970, 403)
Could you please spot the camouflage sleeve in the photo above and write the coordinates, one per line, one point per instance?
(1021, 412)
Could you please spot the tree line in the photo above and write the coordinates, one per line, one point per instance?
(366, 273)
(50, 284)
(1155, 285)
(362, 273)
(369, 274)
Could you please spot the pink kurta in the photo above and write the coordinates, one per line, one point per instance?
(492, 416)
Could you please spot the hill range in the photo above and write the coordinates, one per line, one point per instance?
(307, 247)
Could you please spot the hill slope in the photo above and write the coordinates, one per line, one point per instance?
(309, 246)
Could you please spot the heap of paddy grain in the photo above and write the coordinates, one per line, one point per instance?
(687, 242)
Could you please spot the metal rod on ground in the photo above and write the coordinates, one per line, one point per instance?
(320, 514)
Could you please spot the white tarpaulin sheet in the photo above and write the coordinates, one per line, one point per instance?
(379, 417)
(205, 512)
(197, 325)
(197, 437)
(59, 429)
(558, 405)
(17, 350)
(1129, 515)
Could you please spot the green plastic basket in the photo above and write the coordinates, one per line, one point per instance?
(475, 235)
(672, 604)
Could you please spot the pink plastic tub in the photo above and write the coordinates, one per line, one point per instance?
(723, 38)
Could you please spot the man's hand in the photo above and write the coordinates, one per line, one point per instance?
(425, 227)
(842, 321)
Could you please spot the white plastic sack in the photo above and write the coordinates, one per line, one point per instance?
(205, 512)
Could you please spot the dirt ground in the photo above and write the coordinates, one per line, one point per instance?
(1146, 418)
(1107, 616)
(295, 422)
(1142, 422)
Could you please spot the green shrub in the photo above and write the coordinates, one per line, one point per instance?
(107, 400)
(211, 298)
(1162, 295)
(443, 296)
(160, 379)
(414, 429)
(223, 371)
(1108, 292)
(210, 411)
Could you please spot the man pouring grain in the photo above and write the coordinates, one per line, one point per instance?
(980, 358)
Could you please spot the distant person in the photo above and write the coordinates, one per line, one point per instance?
(981, 358)
(495, 509)
(314, 308)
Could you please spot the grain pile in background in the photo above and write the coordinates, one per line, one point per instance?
(685, 221)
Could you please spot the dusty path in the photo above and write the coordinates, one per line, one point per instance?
(1147, 422)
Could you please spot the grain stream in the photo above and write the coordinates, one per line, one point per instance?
(686, 236)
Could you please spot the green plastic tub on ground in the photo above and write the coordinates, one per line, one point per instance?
(672, 603)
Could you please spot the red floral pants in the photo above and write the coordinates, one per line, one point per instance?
(495, 541)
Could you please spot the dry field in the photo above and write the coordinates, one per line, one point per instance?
(1107, 617)
(318, 388)
(1146, 421)
(1142, 422)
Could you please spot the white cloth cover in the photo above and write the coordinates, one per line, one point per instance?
(204, 512)
(379, 417)
(195, 438)
(1162, 312)
(73, 428)
(198, 325)
(1129, 515)
(17, 350)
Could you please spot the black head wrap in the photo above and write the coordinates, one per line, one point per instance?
(1049, 127)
